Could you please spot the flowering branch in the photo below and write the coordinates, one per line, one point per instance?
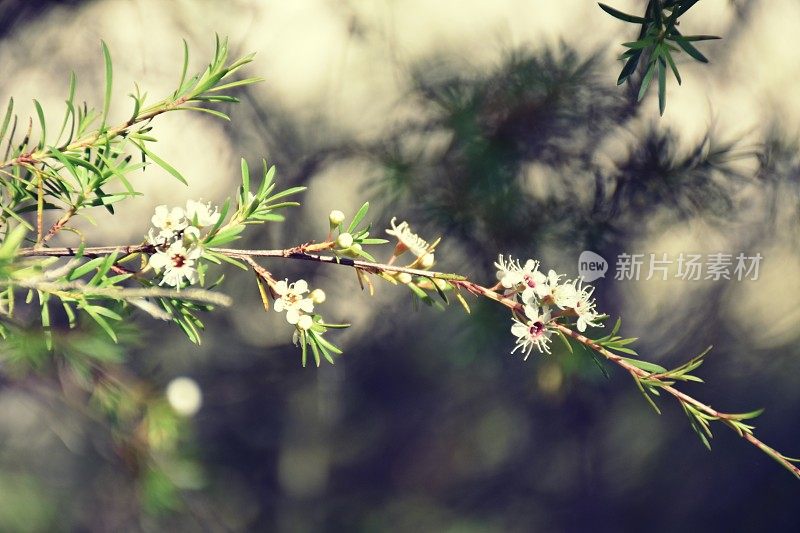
(167, 274)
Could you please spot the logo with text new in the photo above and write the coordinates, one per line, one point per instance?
(591, 266)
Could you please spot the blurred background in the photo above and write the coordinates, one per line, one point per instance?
(498, 126)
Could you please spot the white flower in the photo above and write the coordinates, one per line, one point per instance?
(509, 273)
(407, 240)
(548, 289)
(169, 221)
(178, 263)
(584, 308)
(533, 333)
(565, 295)
(201, 214)
(291, 299)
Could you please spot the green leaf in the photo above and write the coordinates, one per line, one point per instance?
(327, 344)
(92, 311)
(693, 38)
(647, 396)
(85, 268)
(362, 212)
(620, 15)
(662, 85)
(567, 345)
(315, 349)
(12, 242)
(108, 80)
(747, 416)
(648, 77)
(646, 366)
(246, 81)
(304, 348)
(672, 65)
(160, 162)
(42, 125)
(688, 47)
(245, 175)
(287, 192)
(630, 67)
(185, 67)
(638, 45)
(226, 235)
(7, 118)
(218, 114)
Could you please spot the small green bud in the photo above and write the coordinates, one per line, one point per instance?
(336, 217)
(305, 322)
(317, 296)
(345, 240)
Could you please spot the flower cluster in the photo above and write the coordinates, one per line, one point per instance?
(292, 298)
(538, 295)
(176, 237)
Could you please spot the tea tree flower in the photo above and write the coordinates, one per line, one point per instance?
(509, 273)
(178, 263)
(565, 295)
(407, 240)
(201, 214)
(169, 221)
(533, 332)
(292, 300)
(584, 308)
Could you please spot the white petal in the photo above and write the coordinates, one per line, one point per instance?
(161, 213)
(306, 305)
(300, 286)
(292, 316)
(533, 312)
(281, 287)
(519, 329)
(159, 260)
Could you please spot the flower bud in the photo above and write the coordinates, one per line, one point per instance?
(345, 240)
(404, 278)
(305, 322)
(354, 250)
(426, 261)
(335, 218)
(317, 296)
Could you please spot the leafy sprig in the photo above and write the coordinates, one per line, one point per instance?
(659, 38)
